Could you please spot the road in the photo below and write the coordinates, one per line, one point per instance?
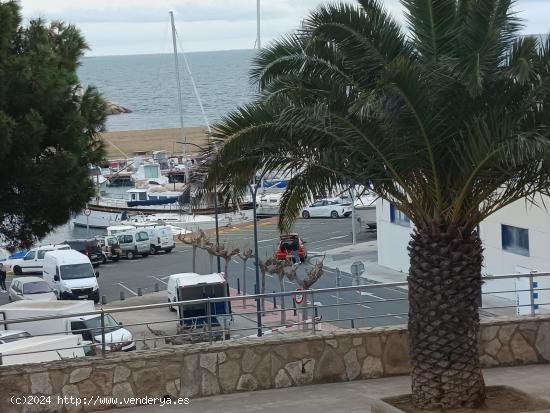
(320, 235)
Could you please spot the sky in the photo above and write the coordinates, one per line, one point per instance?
(122, 27)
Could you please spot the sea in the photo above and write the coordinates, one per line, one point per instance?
(146, 84)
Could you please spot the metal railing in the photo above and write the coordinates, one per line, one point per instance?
(342, 308)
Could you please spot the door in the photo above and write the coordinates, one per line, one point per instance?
(39, 261)
(316, 209)
(15, 291)
(29, 262)
(142, 241)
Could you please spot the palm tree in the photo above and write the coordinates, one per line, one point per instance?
(447, 119)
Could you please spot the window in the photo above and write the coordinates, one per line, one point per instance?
(317, 204)
(142, 236)
(398, 217)
(41, 254)
(150, 171)
(77, 271)
(14, 337)
(36, 287)
(30, 256)
(125, 239)
(515, 240)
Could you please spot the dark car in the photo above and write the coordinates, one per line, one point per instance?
(88, 247)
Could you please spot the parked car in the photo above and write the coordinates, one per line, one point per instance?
(88, 247)
(326, 208)
(30, 288)
(9, 336)
(87, 326)
(110, 247)
(134, 242)
(33, 260)
(71, 275)
(287, 245)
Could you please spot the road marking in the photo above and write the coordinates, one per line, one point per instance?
(366, 306)
(158, 279)
(266, 240)
(338, 298)
(328, 239)
(371, 295)
(399, 317)
(123, 286)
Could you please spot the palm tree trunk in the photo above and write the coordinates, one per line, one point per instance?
(194, 258)
(444, 288)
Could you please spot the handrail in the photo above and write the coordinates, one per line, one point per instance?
(263, 296)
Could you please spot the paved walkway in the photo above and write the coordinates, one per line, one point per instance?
(349, 397)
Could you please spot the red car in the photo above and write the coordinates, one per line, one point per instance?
(287, 245)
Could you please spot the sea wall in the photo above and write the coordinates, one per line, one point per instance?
(246, 365)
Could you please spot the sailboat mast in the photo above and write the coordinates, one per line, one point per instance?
(258, 26)
(180, 100)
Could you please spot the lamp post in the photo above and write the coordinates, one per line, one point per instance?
(215, 206)
(256, 258)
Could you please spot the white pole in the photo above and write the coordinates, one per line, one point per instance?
(258, 26)
(180, 100)
(353, 223)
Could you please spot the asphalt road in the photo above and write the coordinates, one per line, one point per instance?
(320, 235)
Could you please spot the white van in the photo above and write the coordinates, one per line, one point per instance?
(161, 237)
(34, 259)
(87, 326)
(191, 279)
(41, 349)
(117, 229)
(134, 242)
(70, 275)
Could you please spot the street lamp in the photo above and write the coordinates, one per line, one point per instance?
(257, 257)
(215, 205)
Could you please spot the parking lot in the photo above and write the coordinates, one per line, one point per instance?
(144, 275)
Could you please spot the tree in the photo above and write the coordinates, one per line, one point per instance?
(448, 122)
(245, 256)
(49, 127)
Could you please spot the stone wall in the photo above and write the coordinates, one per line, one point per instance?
(252, 364)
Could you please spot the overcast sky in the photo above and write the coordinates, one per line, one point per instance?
(115, 27)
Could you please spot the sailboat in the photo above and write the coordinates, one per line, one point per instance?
(151, 200)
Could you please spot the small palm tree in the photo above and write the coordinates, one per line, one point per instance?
(448, 120)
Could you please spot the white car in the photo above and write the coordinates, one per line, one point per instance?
(30, 288)
(326, 208)
(9, 336)
(33, 262)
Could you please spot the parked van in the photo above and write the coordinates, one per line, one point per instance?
(41, 349)
(34, 259)
(110, 247)
(161, 237)
(118, 229)
(70, 275)
(87, 326)
(192, 286)
(134, 242)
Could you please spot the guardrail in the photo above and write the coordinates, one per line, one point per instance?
(343, 310)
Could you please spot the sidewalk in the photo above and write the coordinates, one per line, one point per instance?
(349, 397)
(366, 252)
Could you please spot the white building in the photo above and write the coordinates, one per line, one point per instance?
(516, 239)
